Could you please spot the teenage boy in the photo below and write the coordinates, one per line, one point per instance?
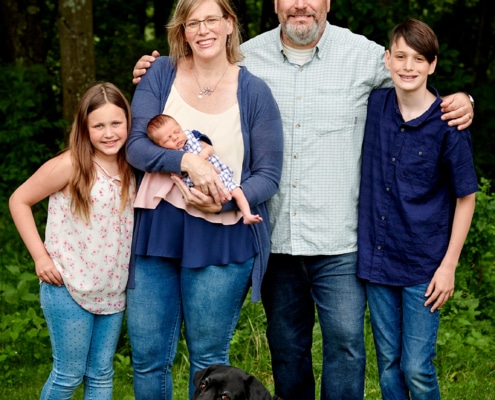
(416, 204)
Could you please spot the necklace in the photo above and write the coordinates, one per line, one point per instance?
(206, 91)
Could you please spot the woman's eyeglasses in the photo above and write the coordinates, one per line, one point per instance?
(210, 22)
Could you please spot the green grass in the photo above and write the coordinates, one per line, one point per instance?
(473, 380)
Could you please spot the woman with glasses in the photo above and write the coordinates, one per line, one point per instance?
(186, 268)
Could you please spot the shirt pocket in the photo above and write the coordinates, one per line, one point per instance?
(335, 109)
(417, 167)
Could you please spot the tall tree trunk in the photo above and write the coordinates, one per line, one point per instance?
(23, 39)
(75, 26)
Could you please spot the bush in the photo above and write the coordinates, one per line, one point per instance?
(467, 328)
(30, 133)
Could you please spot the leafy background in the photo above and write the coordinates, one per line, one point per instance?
(32, 129)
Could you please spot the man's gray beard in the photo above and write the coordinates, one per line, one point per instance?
(299, 34)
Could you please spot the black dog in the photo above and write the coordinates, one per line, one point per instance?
(223, 382)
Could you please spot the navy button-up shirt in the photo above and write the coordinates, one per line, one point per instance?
(412, 174)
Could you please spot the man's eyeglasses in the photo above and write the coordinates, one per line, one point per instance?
(210, 22)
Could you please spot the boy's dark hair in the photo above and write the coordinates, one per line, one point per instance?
(417, 35)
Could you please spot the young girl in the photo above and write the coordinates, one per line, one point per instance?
(83, 264)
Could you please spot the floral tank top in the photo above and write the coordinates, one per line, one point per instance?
(93, 257)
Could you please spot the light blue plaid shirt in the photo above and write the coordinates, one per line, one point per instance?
(323, 107)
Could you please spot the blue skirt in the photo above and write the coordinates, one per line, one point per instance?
(167, 231)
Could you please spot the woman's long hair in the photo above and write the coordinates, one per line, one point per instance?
(176, 32)
(82, 151)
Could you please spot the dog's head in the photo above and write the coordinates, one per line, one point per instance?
(222, 382)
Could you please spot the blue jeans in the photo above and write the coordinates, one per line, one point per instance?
(405, 334)
(83, 346)
(209, 301)
(291, 287)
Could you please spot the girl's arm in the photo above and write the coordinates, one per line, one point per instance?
(441, 287)
(49, 178)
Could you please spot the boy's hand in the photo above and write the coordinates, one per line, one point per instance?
(441, 287)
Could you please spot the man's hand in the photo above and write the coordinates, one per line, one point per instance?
(142, 65)
(458, 110)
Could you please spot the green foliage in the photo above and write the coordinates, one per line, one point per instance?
(254, 9)
(467, 329)
(472, 380)
(23, 333)
(29, 127)
(28, 136)
(476, 271)
(481, 237)
(31, 131)
(249, 342)
(14, 295)
(463, 337)
(122, 36)
(483, 128)
(24, 342)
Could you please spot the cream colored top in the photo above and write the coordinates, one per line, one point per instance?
(224, 129)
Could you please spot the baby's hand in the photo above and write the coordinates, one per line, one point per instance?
(207, 151)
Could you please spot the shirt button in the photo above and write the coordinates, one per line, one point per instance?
(379, 247)
(383, 218)
(296, 156)
(420, 153)
(301, 69)
(402, 130)
(298, 97)
(298, 126)
(393, 159)
(387, 189)
(294, 185)
(294, 213)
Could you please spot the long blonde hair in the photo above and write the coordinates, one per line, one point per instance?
(82, 151)
(176, 33)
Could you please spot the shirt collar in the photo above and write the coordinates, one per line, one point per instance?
(414, 123)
